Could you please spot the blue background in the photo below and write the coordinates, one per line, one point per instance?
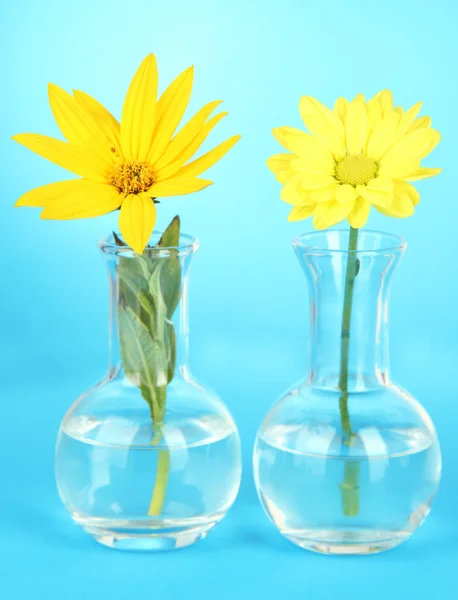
(249, 308)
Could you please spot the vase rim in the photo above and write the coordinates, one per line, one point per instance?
(330, 241)
(187, 245)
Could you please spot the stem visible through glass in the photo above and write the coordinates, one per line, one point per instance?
(350, 485)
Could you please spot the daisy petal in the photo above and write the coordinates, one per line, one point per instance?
(136, 220)
(325, 194)
(177, 186)
(383, 136)
(105, 121)
(189, 151)
(186, 135)
(169, 112)
(346, 194)
(415, 145)
(198, 166)
(381, 184)
(340, 108)
(324, 124)
(292, 193)
(280, 165)
(44, 195)
(77, 160)
(374, 196)
(385, 99)
(139, 111)
(92, 200)
(301, 212)
(315, 182)
(76, 126)
(360, 213)
(421, 123)
(356, 127)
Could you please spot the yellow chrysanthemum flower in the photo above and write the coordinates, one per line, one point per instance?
(360, 154)
(125, 165)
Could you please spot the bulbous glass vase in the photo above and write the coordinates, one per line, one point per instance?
(346, 462)
(149, 458)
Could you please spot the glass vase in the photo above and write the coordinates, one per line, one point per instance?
(346, 462)
(149, 458)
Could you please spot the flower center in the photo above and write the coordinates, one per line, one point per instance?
(132, 177)
(356, 170)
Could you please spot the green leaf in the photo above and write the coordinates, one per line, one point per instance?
(171, 236)
(144, 360)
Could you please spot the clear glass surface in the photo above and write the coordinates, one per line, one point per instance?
(323, 492)
(109, 456)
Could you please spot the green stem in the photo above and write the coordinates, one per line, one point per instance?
(162, 478)
(350, 485)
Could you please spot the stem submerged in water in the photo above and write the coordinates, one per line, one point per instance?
(350, 485)
(160, 485)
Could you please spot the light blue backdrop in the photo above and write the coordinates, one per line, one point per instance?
(249, 313)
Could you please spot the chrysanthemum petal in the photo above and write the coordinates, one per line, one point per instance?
(44, 195)
(313, 165)
(308, 149)
(315, 182)
(324, 194)
(420, 123)
(328, 214)
(298, 213)
(401, 207)
(383, 136)
(188, 152)
(324, 124)
(105, 121)
(280, 165)
(178, 186)
(136, 220)
(292, 192)
(381, 184)
(407, 119)
(77, 127)
(73, 158)
(92, 200)
(170, 110)
(139, 111)
(345, 194)
(415, 145)
(186, 135)
(198, 166)
(422, 173)
(340, 108)
(287, 135)
(375, 197)
(356, 127)
(385, 99)
(360, 213)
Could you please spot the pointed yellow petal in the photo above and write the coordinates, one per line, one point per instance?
(356, 127)
(324, 124)
(92, 200)
(422, 122)
(77, 160)
(407, 119)
(422, 173)
(340, 108)
(381, 184)
(103, 118)
(314, 164)
(383, 136)
(170, 111)
(316, 182)
(401, 207)
(280, 165)
(76, 125)
(188, 152)
(138, 112)
(44, 195)
(292, 193)
(288, 135)
(186, 135)
(178, 186)
(309, 150)
(399, 169)
(325, 194)
(360, 213)
(198, 166)
(331, 214)
(136, 220)
(345, 194)
(301, 212)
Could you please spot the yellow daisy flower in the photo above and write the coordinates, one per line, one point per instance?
(360, 154)
(125, 165)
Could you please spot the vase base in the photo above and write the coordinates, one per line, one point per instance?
(149, 534)
(347, 542)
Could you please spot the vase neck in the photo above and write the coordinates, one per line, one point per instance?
(153, 291)
(358, 343)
